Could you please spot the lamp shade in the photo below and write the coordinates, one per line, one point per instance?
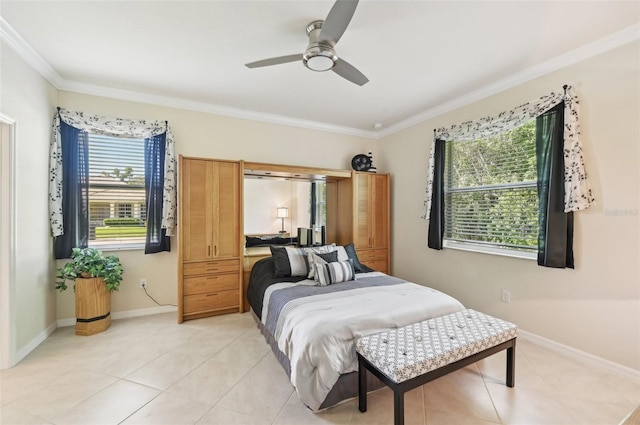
(282, 212)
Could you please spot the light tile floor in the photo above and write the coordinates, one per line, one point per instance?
(219, 370)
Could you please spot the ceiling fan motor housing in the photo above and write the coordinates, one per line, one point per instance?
(319, 56)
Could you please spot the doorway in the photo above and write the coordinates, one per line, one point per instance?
(7, 290)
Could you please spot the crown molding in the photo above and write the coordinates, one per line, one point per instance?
(28, 54)
(605, 44)
(610, 42)
(211, 108)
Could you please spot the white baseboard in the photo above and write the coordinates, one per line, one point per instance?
(579, 355)
(71, 321)
(63, 323)
(24, 351)
(143, 312)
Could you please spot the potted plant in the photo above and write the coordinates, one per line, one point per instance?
(95, 276)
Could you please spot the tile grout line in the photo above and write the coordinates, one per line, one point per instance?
(237, 381)
(135, 411)
(486, 388)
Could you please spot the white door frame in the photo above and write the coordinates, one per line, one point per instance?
(7, 242)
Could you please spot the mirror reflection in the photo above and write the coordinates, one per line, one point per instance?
(283, 211)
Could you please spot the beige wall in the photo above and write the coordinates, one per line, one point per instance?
(594, 308)
(212, 136)
(30, 100)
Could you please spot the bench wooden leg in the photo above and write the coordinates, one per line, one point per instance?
(362, 386)
(511, 366)
(398, 407)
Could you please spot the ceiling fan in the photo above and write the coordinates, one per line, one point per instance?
(323, 37)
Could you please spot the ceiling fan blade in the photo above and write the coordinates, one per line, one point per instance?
(348, 71)
(275, 61)
(337, 21)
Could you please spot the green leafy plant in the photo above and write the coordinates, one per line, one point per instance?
(87, 263)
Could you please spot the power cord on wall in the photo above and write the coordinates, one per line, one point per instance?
(144, 286)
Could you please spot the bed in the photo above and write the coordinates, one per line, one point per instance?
(311, 325)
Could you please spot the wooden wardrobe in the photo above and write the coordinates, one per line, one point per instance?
(371, 218)
(363, 217)
(210, 234)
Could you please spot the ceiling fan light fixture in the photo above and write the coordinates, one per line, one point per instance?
(319, 58)
(323, 36)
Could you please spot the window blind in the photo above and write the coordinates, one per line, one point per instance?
(117, 206)
(491, 190)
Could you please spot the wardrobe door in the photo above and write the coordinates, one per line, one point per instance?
(197, 209)
(226, 231)
(362, 205)
(371, 215)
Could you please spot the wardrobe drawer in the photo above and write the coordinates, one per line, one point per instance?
(208, 267)
(377, 265)
(211, 283)
(211, 301)
(372, 254)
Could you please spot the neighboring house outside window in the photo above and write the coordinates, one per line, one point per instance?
(117, 211)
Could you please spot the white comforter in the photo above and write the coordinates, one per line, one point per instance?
(317, 333)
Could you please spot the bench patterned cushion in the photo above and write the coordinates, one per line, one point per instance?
(414, 350)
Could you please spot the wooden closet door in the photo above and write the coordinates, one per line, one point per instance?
(197, 219)
(379, 210)
(226, 230)
(362, 217)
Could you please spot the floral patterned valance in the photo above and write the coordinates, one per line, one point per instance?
(577, 195)
(114, 127)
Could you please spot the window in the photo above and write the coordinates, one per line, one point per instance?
(136, 165)
(487, 193)
(490, 193)
(320, 204)
(117, 212)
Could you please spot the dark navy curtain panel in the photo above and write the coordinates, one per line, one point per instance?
(314, 206)
(75, 191)
(436, 216)
(154, 157)
(555, 227)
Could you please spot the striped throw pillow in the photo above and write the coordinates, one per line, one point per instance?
(289, 261)
(330, 273)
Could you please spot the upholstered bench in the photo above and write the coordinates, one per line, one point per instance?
(407, 357)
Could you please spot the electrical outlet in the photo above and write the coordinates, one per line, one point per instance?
(143, 282)
(506, 296)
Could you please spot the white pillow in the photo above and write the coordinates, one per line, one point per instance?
(342, 253)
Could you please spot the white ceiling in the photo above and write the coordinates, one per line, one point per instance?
(418, 55)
